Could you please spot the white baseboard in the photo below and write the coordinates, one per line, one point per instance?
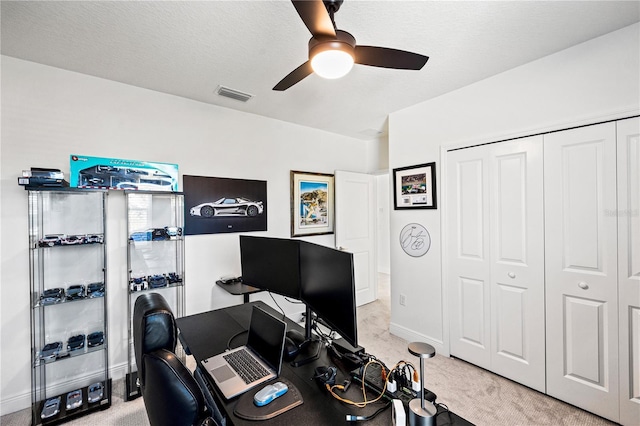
(15, 403)
(22, 400)
(413, 336)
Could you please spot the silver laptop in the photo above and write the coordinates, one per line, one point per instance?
(238, 370)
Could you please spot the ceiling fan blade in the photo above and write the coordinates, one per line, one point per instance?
(389, 58)
(315, 16)
(294, 76)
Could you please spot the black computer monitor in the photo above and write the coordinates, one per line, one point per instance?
(328, 287)
(271, 264)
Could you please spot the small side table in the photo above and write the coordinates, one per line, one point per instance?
(238, 288)
(421, 412)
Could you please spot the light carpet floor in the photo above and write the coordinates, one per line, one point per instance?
(479, 396)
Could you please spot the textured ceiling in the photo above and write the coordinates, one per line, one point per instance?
(188, 48)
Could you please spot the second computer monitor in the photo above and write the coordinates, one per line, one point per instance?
(328, 287)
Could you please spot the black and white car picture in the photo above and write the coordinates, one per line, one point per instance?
(228, 207)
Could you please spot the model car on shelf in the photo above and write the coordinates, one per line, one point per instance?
(51, 296)
(95, 339)
(50, 408)
(73, 240)
(174, 231)
(159, 234)
(173, 278)
(50, 351)
(138, 284)
(228, 207)
(75, 343)
(76, 292)
(51, 240)
(141, 236)
(74, 399)
(157, 281)
(95, 392)
(95, 290)
(94, 239)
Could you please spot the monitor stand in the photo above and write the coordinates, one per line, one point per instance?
(310, 346)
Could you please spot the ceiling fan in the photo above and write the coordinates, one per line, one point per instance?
(332, 52)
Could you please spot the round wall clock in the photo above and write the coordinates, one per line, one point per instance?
(415, 240)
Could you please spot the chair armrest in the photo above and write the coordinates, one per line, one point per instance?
(208, 421)
(209, 397)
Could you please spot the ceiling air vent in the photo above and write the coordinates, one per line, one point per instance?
(233, 94)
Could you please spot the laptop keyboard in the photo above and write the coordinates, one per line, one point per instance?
(246, 366)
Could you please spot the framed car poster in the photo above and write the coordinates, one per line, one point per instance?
(216, 205)
(312, 208)
(414, 187)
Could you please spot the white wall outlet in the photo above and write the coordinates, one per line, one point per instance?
(403, 299)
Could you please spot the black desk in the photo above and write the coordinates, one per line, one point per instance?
(207, 334)
(238, 288)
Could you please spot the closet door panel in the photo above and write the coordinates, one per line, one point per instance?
(468, 251)
(517, 261)
(628, 213)
(581, 268)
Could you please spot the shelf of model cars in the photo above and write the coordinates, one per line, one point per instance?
(64, 240)
(96, 396)
(154, 282)
(77, 344)
(157, 234)
(73, 293)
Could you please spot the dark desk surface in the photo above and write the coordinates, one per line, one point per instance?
(238, 288)
(208, 333)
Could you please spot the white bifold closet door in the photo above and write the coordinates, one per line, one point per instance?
(495, 255)
(628, 134)
(581, 268)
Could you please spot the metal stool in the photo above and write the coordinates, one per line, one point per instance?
(421, 412)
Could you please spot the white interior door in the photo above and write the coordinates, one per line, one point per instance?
(581, 268)
(628, 133)
(355, 195)
(468, 255)
(517, 261)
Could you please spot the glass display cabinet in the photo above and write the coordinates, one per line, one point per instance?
(155, 259)
(70, 366)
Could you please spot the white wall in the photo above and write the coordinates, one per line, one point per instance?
(382, 222)
(592, 81)
(49, 113)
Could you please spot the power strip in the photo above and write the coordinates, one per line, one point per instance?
(373, 381)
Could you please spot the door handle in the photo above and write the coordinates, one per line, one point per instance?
(583, 285)
(511, 274)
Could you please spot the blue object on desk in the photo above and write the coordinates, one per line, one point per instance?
(269, 393)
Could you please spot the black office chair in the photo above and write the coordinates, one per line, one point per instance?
(171, 394)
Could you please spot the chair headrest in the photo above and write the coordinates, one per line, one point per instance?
(154, 327)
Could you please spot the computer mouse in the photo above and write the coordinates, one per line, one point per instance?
(269, 393)
(291, 349)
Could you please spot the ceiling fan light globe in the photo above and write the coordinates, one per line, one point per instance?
(332, 64)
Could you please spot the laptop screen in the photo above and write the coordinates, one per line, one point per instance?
(266, 337)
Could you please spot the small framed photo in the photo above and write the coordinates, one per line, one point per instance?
(312, 208)
(414, 187)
